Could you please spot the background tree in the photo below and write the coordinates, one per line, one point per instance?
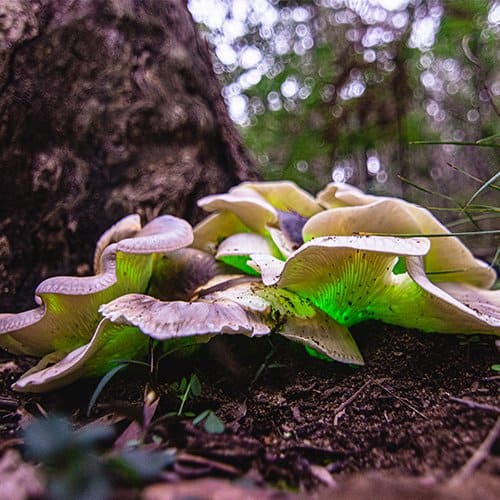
(106, 108)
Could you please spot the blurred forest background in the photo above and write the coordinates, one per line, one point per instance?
(339, 89)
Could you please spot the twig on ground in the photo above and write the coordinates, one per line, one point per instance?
(478, 456)
(8, 403)
(339, 411)
(42, 410)
(402, 400)
(192, 461)
(475, 405)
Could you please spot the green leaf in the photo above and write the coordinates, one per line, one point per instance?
(183, 385)
(496, 367)
(47, 439)
(200, 417)
(213, 424)
(195, 385)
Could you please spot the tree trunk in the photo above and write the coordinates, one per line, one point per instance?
(106, 108)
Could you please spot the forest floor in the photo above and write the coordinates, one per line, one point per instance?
(405, 425)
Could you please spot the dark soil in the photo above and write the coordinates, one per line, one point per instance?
(283, 427)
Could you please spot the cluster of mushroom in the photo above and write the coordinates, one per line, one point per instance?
(270, 259)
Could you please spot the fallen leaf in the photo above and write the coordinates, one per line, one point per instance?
(322, 474)
(19, 480)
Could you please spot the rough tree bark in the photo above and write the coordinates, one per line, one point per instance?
(106, 108)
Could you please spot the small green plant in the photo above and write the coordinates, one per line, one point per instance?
(186, 390)
(471, 340)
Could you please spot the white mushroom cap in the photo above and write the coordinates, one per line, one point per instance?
(261, 207)
(324, 335)
(286, 196)
(355, 212)
(452, 307)
(170, 320)
(283, 244)
(251, 208)
(163, 234)
(340, 194)
(215, 228)
(235, 250)
(321, 255)
(125, 228)
(344, 276)
(68, 312)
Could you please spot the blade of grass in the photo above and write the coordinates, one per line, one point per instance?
(479, 218)
(132, 362)
(471, 208)
(102, 384)
(431, 235)
(426, 190)
(496, 258)
(441, 195)
(489, 182)
(470, 176)
(485, 139)
(264, 364)
(200, 417)
(451, 271)
(185, 396)
(454, 143)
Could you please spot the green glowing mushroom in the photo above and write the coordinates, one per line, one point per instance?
(287, 314)
(109, 344)
(127, 323)
(227, 304)
(67, 315)
(309, 275)
(355, 212)
(352, 279)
